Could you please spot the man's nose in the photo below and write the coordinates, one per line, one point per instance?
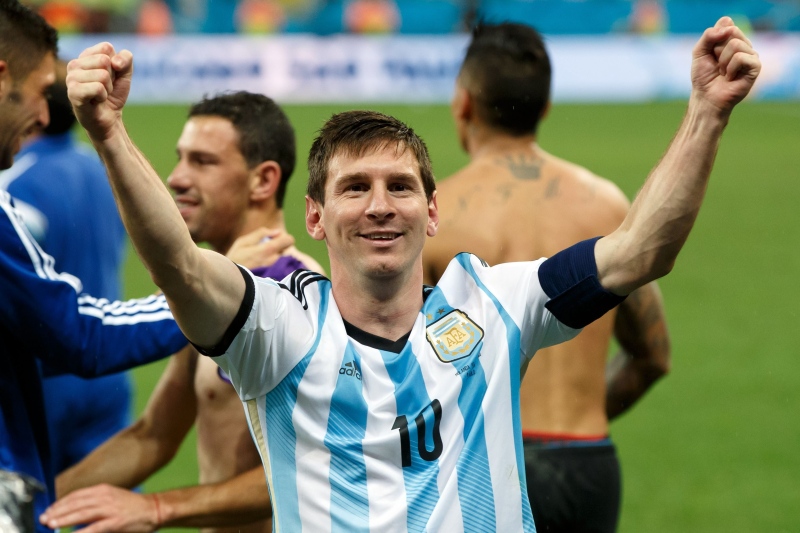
(178, 179)
(380, 204)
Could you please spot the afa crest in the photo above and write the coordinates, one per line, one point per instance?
(454, 336)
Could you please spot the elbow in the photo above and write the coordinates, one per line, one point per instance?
(662, 268)
(657, 266)
(159, 451)
(660, 364)
(661, 368)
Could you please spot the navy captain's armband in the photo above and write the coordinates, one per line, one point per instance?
(569, 278)
(238, 321)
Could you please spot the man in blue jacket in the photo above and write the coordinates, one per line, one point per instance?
(60, 187)
(47, 325)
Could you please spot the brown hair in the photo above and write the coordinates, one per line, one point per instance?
(265, 133)
(355, 133)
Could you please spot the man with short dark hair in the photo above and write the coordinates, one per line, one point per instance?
(566, 400)
(28, 49)
(46, 324)
(235, 156)
(378, 404)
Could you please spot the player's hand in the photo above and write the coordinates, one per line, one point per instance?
(724, 65)
(98, 83)
(260, 248)
(104, 509)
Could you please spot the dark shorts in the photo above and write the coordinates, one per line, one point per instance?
(573, 487)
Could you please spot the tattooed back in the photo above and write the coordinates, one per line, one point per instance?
(519, 204)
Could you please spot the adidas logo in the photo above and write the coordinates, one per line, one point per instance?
(349, 369)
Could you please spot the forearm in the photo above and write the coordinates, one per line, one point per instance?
(203, 288)
(125, 460)
(640, 327)
(155, 226)
(665, 210)
(238, 501)
(627, 380)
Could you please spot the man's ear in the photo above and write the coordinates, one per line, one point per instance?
(462, 104)
(266, 178)
(314, 225)
(433, 216)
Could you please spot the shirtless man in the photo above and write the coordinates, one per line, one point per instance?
(516, 202)
(235, 155)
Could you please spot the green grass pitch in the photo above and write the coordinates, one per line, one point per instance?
(714, 447)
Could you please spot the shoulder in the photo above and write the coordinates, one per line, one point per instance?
(473, 173)
(467, 265)
(598, 197)
(606, 190)
(309, 262)
(302, 285)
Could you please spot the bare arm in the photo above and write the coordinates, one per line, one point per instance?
(644, 356)
(240, 500)
(204, 289)
(237, 501)
(644, 248)
(138, 451)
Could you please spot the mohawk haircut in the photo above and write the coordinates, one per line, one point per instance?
(265, 133)
(355, 133)
(25, 38)
(507, 72)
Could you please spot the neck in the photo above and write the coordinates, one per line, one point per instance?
(253, 219)
(484, 141)
(386, 307)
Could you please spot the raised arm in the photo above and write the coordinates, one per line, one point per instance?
(235, 502)
(204, 289)
(640, 327)
(644, 248)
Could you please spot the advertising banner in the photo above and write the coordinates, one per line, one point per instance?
(347, 68)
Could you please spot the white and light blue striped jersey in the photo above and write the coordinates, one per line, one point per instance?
(358, 433)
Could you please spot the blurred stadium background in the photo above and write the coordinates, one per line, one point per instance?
(713, 448)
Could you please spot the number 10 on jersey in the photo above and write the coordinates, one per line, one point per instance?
(401, 423)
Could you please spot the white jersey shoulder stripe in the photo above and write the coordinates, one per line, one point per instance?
(298, 281)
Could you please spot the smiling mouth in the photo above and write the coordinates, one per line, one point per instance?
(381, 237)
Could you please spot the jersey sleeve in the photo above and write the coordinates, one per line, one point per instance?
(516, 291)
(272, 332)
(550, 299)
(71, 332)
